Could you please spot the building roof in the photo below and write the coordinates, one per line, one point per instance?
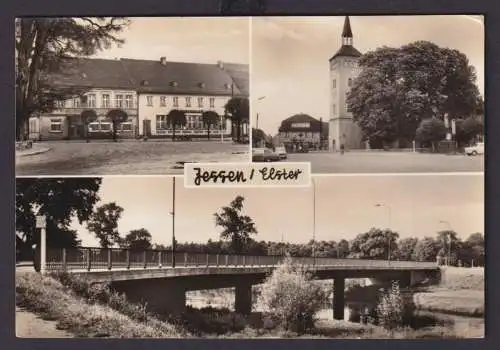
(91, 73)
(347, 32)
(179, 78)
(315, 124)
(154, 77)
(347, 51)
(240, 75)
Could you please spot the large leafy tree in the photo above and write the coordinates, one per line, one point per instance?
(374, 244)
(137, 240)
(87, 116)
(103, 222)
(430, 132)
(236, 227)
(209, 118)
(426, 249)
(117, 116)
(59, 200)
(176, 118)
(238, 110)
(468, 129)
(42, 48)
(406, 249)
(258, 136)
(398, 87)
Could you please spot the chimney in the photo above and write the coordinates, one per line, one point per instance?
(220, 64)
(163, 61)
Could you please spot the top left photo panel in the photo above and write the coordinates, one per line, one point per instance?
(130, 96)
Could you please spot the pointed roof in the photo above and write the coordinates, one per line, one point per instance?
(347, 50)
(347, 32)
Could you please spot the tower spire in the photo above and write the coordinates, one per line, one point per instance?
(347, 32)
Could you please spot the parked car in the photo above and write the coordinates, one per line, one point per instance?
(478, 148)
(281, 152)
(264, 155)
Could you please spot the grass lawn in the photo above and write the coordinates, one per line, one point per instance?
(461, 292)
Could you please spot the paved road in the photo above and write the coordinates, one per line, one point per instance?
(388, 162)
(124, 158)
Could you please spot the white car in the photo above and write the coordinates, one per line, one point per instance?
(478, 148)
(281, 151)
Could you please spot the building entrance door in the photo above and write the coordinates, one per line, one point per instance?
(146, 127)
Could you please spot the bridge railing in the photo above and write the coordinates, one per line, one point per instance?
(91, 259)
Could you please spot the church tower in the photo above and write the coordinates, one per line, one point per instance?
(343, 69)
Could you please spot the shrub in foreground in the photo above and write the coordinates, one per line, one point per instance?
(394, 309)
(292, 298)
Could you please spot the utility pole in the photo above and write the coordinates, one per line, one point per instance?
(314, 222)
(173, 221)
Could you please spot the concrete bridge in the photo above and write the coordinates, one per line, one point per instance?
(162, 278)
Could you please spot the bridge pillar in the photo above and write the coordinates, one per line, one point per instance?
(243, 298)
(338, 298)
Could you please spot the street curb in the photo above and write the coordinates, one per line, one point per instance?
(33, 152)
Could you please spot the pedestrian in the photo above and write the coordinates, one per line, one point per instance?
(342, 149)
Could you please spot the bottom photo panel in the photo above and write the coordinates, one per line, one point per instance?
(379, 257)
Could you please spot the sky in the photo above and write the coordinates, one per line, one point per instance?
(290, 55)
(183, 39)
(345, 207)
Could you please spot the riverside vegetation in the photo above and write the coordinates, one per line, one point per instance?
(289, 298)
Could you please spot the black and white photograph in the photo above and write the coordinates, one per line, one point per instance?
(369, 94)
(393, 257)
(137, 95)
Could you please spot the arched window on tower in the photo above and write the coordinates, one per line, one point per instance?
(334, 84)
(349, 82)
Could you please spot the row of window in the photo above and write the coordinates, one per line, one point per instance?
(347, 109)
(334, 83)
(175, 101)
(90, 101)
(56, 125)
(193, 122)
(307, 134)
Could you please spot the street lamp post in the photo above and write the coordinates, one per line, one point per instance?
(257, 116)
(389, 211)
(449, 239)
(173, 221)
(314, 222)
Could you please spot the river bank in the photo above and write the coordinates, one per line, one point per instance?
(210, 315)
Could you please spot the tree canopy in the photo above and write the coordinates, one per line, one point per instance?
(236, 227)
(374, 244)
(42, 48)
(176, 118)
(209, 118)
(137, 240)
(103, 222)
(238, 110)
(399, 87)
(59, 200)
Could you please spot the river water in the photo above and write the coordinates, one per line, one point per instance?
(468, 327)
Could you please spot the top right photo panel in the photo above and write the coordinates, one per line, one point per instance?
(369, 94)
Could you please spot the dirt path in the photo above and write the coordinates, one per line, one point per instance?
(29, 325)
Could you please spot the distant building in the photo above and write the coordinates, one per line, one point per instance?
(302, 130)
(146, 91)
(343, 70)
(106, 86)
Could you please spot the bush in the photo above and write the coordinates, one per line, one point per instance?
(394, 308)
(292, 298)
